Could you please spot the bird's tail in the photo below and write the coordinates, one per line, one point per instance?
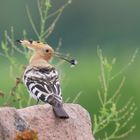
(60, 112)
(57, 107)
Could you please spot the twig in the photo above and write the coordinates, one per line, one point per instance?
(17, 49)
(99, 51)
(31, 21)
(77, 97)
(126, 66)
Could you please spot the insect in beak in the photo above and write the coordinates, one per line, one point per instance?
(70, 60)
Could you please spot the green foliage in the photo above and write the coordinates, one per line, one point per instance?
(111, 115)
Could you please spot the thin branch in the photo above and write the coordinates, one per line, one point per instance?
(77, 97)
(31, 21)
(67, 100)
(126, 66)
(128, 104)
(15, 87)
(117, 91)
(58, 12)
(13, 45)
(126, 133)
(59, 9)
(48, 32)
(59, 45)
(99, 51)
(100, 97)
(39, 9)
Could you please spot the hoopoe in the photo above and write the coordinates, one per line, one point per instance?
(42, 79)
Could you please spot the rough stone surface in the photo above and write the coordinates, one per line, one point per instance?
(7, 123)
(42, 119)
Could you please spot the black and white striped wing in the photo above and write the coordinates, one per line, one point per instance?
(42, 83)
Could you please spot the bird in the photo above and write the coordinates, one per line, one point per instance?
(42, 79)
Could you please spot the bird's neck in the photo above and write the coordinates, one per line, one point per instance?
(38, 61)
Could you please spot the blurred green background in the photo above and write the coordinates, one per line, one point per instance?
(114, 25)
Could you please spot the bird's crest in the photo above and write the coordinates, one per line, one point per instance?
(31, 44)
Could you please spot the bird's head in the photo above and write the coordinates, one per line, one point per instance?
(45, 51)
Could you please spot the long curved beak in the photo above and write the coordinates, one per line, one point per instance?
(66, 58)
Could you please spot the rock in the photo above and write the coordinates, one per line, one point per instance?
(39, 123)
(10, 123)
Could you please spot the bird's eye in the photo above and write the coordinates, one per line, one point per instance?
(46, 50)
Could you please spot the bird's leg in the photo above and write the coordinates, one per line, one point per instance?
(37, 102)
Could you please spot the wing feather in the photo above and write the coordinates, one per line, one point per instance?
(42, 83)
